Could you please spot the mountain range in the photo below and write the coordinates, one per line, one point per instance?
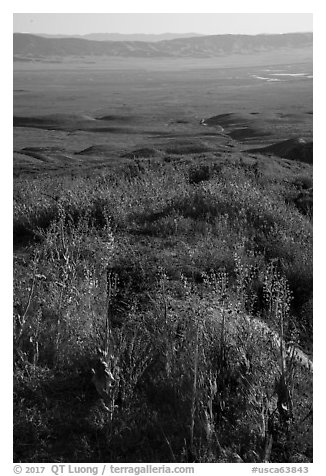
(125, 37)
(33, 46)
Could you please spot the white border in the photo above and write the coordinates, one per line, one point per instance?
(319, 185)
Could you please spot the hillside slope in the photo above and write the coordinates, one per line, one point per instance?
(293, 149)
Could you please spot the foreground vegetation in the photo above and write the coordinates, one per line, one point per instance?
(166, 285)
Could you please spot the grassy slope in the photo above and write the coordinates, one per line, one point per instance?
(190, 249)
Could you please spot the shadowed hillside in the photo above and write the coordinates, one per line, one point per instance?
(293, 149)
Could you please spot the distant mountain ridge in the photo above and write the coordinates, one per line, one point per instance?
(29, 46)
(125, 37)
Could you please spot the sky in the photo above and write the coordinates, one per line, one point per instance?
(204, 23)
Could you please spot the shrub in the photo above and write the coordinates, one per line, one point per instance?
(153, 285)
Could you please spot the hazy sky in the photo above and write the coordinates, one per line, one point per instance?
(206, 23)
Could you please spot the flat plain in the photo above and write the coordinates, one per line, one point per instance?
(117, 107)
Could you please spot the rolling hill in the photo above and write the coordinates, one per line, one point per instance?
(32, 46)
(292, 149)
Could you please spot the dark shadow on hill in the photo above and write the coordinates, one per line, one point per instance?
(247, 133)
(241, 127)
(73, 122)
(293, 149)
(115, 117)
(96, 150)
